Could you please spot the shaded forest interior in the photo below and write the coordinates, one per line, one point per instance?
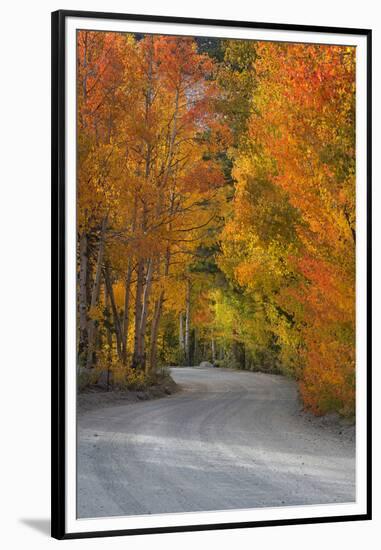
(216, 209)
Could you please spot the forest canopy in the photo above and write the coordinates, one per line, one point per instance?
(216, 209)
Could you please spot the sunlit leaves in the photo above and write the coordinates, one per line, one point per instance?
(293, 229)
(232, 173)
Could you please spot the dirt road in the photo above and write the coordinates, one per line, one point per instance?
(229, 440)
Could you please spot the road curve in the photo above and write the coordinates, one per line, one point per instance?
(229, 440)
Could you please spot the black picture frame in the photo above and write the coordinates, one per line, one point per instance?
(58, 427)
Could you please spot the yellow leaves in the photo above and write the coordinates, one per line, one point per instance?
(175, 290)
(95, 313)
(119, 294)
(245, 272)
(238, 177)
(291, 233)
(203, 315)
(123, 377)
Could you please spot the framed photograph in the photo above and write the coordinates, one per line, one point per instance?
(211, 274)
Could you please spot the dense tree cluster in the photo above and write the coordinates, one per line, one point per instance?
(216, 208)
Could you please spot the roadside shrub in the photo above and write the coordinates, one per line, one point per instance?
(128, 379)
(86, 377)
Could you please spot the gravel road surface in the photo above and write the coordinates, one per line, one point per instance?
(228, 440)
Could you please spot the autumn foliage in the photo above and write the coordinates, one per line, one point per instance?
(216, 208)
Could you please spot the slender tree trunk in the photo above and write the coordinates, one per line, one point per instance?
(181, 337)
(109, 337)
(239, 353)
(172, 140)
(114, 309)
(95, 293)
(158, 312)
(126, 314)
(144, 315)
(195, 347)
(155, 331)
(187, 324)
(82, 294)
(148, 104)
(138, 312)
(127, 291)
(213, 350)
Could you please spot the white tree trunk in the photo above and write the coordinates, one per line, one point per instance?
(187, 324)
(181, 334)
(138, 312)
(145, 305)
(95, 292)
(213, 350)
(82, 292)
(126, 315)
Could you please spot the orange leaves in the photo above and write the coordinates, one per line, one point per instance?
(99, 74)
(203, 315)
(253, 157)
(202, 177)
(182, 66)
(293, 217)
(329, 377)
(149, 136)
